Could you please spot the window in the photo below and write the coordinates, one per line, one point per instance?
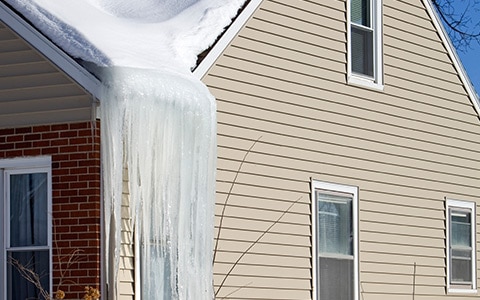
(335, 249)
(461, 269)
(26, 227)
(365, 63)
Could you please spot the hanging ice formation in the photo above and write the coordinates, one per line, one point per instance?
(160, 127)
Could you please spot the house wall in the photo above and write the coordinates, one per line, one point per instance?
(32, 89)
(283, 82)
(75, 152)
(126, 273)
(45, 112)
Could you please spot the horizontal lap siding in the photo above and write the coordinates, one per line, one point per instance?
(281, 88)
(126, 273)
(33, 90)
(265, 233)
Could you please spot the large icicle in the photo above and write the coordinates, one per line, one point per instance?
(161, 126)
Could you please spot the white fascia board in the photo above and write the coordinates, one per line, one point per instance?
(225, 40)
(453, 55)
(50, 50)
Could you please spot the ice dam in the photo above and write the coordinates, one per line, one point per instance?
(159, 131)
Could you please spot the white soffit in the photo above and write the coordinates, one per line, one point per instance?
(225, 39)
(49, 50)
(453, 55)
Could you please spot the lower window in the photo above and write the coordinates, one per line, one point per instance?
(26, 233)
(461, 267)
(335, 210)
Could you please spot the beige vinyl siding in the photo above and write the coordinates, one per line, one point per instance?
(33, 90)
(283, 81)
(126, 273)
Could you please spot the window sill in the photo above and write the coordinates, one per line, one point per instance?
(365, 82)
(462, 291)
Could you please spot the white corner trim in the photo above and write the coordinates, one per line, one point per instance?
(225, 40)
(49, 50)
(453, 55)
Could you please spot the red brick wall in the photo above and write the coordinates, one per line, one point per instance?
(75, 152)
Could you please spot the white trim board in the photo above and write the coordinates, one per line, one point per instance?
(334, 187)
(375, 82)
(50, 50)
(471, 206)
(26, 162)
(225, 40)
(453, 55)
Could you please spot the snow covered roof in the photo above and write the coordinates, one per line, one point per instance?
(152, 34)
(157, 33)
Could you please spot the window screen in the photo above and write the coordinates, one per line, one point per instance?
(461, 246)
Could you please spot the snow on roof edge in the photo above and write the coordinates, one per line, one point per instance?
(226, 38)
(107, 38)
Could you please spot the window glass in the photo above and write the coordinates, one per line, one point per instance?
(335, 224)
(335, 246)
(26, 234)
(362, 51)
(360, 12)
(28, 210)
(461, 229)
(365, 57)
(460, 246)
(20, 288)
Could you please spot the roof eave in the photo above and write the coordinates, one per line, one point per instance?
(202, 69)
(53, 53)
(453, 55)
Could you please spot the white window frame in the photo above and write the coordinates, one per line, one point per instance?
(470, 206)
(338, 188)
(375, 82)
(23, 166)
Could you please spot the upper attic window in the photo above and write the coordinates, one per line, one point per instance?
(365, 63)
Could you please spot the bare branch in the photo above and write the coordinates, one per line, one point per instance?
(461, 21)
(254, 243)
(30, 275)
(220, 226)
